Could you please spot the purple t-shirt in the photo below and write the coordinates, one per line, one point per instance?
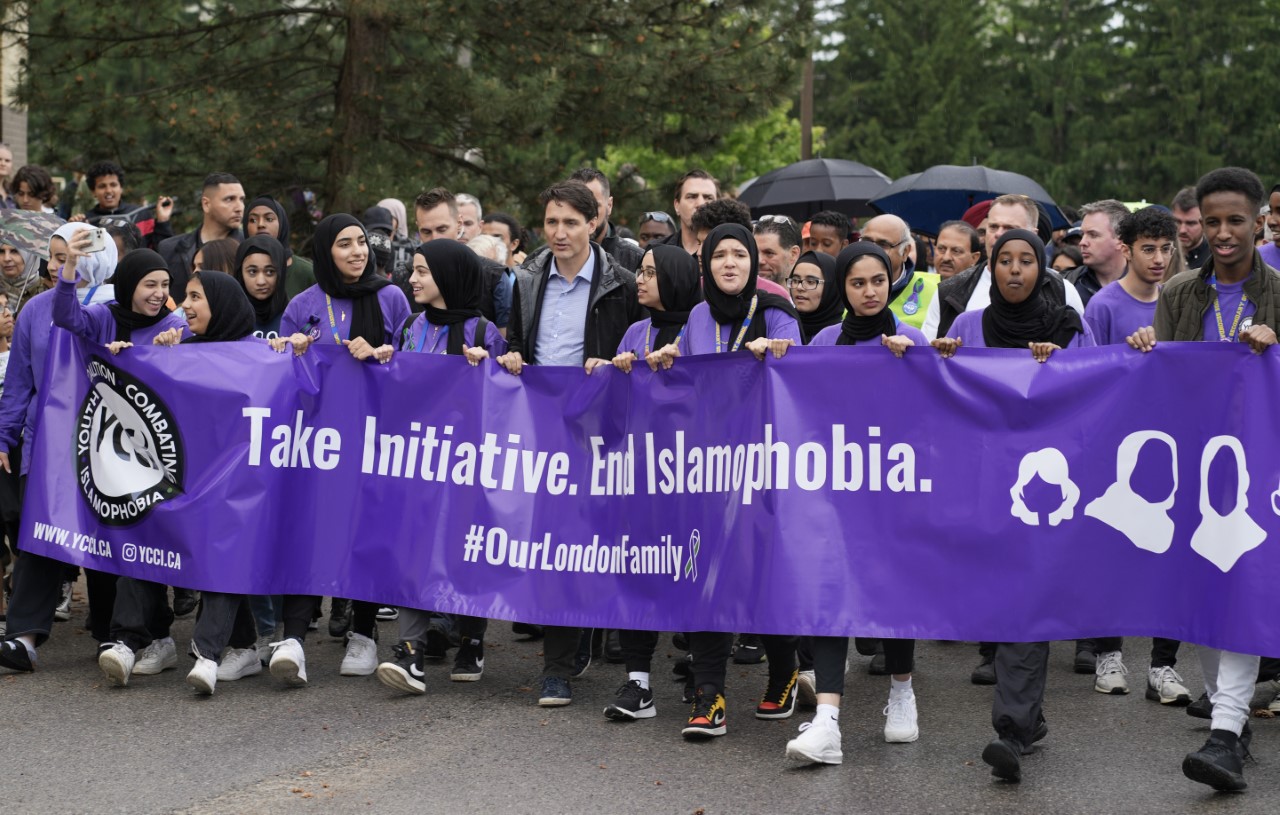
(1229, 297)
(700, 332)
(97, 324)
(1113, 314)
(831, 333)
(310, 311)
(432, 340)
(968, 327)
(1270, 255)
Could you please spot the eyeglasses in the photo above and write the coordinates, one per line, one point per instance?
(659, 216)
(774, 219)
(804, 283)
(645, 274)
(887, 245)
(1149, 251)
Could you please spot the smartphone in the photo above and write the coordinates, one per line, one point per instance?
(97, 240)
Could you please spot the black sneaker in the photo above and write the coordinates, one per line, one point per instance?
(1217, 764)
(866, 646)
(690, 691)
(468, 665)
(15, 657)
(707, 718)
(1042, 732)
(1201, 708)
(680, 641)
(779, 700)
(683, 667)
(1086, 661)
(404, 672)
(440, 636)
(527, 630)
(985, 673)
(1002, 756)
(555, 692)
(184, 601)
(339, 618)
(613, 647)
(632, 702)
(582, 659)
(750, 650)
(878, 667)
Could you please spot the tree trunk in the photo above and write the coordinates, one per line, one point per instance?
(354, 114)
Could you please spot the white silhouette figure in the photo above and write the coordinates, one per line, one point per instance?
(1052, 468)
(121, 457)
(1222, 539)
(1147, 525)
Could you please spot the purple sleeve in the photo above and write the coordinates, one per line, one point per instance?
(19, 387)
(1083, 340)
(912, 333)
(968, 328)
(298, 312)
(780, 325)
(395, 310)
(633, 340)
(69, 314)
(494, 342)
(827, 336)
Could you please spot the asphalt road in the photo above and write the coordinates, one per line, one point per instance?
(74, 744)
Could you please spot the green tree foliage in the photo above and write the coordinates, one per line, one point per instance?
(360, 99)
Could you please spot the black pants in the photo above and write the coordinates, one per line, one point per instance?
(297, 611)
(829, 657)
(37, 588)
(1164, 653)
(141, 614)
(780, 653)
(224, 619)
(559, 648)
(1018, 706)
(637, 649)
(711, 651)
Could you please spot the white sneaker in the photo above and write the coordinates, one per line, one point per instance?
(289, 663)
(901, 725)
(361, 658)
(1165, 686)
(1111, 674)
(62, 612)
(818, 743)
(116, 663)
(806, 688)
(160, 655)
(237, 663)
(204, 676)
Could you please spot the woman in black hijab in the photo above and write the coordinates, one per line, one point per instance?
(864, 271)
(264, 215)
(816, 289)
(733, 315)
(1021, 314)
(669, 286)
(261, 269)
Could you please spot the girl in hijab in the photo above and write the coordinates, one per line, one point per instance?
(38, 581)
(1020, 314)
(218, 310)
(447, 281)
(733, 316)
(669, 286)
(351, 306)
(864, 271)
(261, 270)
(139, 312)
(817, 292)
(19, 275)
(264, 215)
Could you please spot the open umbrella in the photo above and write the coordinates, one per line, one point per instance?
(807, 187)
(942, 193)
(28, 231)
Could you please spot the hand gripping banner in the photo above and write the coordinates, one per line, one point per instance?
(834, 491)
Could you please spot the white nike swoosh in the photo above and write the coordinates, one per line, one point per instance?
(415, 672)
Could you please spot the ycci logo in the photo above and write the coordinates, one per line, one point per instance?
(128, 451)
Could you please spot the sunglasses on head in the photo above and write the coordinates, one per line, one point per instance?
(660, 217)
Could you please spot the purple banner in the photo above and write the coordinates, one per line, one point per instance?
(835, 491)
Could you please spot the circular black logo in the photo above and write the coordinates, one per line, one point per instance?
(129, 455)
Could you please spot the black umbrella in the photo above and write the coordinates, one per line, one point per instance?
(807, 187)
(943, 193)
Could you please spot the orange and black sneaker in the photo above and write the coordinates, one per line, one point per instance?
(707, 717)
(779, 700)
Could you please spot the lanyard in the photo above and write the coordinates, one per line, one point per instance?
(89, 295)
(435, 342)
(333, 325)
(737, 343)
(1223, 336)
(680, 336)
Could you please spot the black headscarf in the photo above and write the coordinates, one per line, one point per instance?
(457, 272)
(265, 311)
(129, 273)
(230, 314)
(366, 319)
(281, 218)
(732, 309)
(856, 328)
(1036, 319)
(831, 301)
(679, 289)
